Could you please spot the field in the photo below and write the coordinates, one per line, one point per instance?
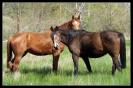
(37, 70)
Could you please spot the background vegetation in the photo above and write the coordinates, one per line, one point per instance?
(37, 70)
(38, 17)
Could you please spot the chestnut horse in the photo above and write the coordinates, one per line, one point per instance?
(92, 44)
(37, 43)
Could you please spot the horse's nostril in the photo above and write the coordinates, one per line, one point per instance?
(55, 47)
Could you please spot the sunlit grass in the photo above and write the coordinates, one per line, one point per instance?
(37, 70)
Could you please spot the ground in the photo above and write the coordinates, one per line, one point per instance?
(37, 70)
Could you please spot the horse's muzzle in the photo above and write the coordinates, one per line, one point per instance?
(56, 46)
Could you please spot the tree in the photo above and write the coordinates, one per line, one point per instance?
(38, 17)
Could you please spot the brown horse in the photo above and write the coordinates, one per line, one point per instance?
(92, 44)
(36, 43)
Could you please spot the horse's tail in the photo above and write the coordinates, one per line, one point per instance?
(122, 51)
(9, 53)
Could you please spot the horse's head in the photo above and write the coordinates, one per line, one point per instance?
(56, 37)
(76, 22)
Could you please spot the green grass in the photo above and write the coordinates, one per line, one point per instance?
(37, 70)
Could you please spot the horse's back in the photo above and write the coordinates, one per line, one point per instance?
(96, 44)
(20, 36)
(111, 41)
(91, 45)
(31, 36)
(110, 36)
(38, 43)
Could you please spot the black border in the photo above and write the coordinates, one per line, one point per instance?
(60, 1)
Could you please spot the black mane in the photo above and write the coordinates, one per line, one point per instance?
(71, 34)
(74, 33)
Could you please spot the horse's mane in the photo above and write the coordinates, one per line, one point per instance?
(65, 25)
(119, 33)
(69, 34)
(74, 33)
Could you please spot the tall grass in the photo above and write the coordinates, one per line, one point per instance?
(37, 70)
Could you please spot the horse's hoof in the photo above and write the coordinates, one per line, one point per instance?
(113, 73)
(75, 76)
(55, 72)
(90, 72)
(17, 75)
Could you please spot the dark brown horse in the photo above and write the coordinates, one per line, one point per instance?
(36, 43)
(92, 44)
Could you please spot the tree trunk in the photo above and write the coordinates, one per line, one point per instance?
(39, 20)
(76, 6)
(60, 13)
(110, 14)
(18, 18)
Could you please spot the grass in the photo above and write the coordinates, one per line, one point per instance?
(37, 70)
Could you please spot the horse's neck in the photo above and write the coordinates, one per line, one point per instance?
(65, 38)
(65, 26)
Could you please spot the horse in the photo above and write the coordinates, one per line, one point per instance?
(37, 43)
(86, 44)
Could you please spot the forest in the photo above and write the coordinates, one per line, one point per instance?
(37, 17)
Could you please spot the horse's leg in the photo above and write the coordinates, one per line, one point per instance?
(113, 69)
(15, 57)
(55, 62)
(15, 65)
(11, 63)
(116, 64)
(75, 60)
(87, 62)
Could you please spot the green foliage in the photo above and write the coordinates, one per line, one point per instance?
(114, 15)
(38, 17)
(37, 70)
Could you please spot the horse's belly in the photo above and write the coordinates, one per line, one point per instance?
(96, 55)
(93, 53)
(40, 50)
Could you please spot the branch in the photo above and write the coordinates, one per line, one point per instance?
(70, 11)
(80, 9)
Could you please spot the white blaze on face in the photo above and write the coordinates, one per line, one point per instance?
(56, 41)
(76, 24)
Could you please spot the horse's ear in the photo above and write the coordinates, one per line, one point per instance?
(51, 28)
(79, 17)
(72, 16)
(56, 28)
